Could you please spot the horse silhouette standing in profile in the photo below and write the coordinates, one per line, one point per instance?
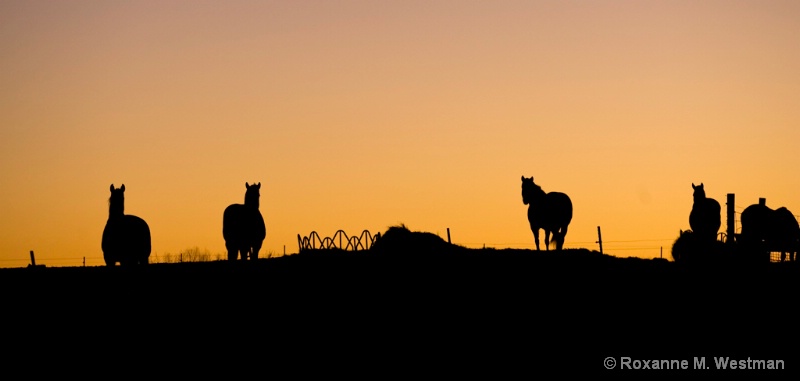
(765, 230)
(705, 218)
(551, 212)
(126, 238)
(243, 226)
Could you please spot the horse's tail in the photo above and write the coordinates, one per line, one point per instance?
(561, 215)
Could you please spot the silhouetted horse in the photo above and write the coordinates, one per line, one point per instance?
(705, 218)
(126, 238)
(243, 226)
(549, 211)
(765, 230)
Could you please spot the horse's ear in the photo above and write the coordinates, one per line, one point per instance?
(523, 179)
(259, 185)
(247, 185)
(112, 187)
(122, 188)
(694, 186)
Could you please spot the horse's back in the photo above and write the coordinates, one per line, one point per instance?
(126, 237)
(242, 223)
(756, 219)
(786, 226)
(787, 219)
(559, 208)
(706, 216)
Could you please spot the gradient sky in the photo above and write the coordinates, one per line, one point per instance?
(361, 115)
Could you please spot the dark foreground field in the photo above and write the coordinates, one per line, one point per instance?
(498, 309)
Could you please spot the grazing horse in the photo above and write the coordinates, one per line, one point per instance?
(705, 218)
(765, 230)
(126, 238)
(549, 211)
(243, 226)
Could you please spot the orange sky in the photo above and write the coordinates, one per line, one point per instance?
(360, 115)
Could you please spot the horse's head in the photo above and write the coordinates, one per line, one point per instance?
(529, 190)
(252, 195)
(699, 192)
(116, 203)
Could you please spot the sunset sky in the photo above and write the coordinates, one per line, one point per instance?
(360, 115)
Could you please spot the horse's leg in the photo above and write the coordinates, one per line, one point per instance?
(233, 251)
(562, 235)
(254, 253)
(547, 239)
(536, 237)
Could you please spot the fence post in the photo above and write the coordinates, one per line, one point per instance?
(33, 260)
(600, 240)
(731, 218)
(762, 201)
(448, 235)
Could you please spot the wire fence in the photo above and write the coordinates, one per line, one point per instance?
(364, 241)
(189, 255)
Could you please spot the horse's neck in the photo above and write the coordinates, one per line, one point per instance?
(537, 205)
(251, 202)
(116, 211)
(538, 196)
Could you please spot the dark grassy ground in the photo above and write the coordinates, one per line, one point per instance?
(498, 309)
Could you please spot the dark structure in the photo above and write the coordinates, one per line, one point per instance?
(126, 238)
(765, 230)
(689, 248)
(399, 240)
(705, 218)
(243, 226)
(551, 212)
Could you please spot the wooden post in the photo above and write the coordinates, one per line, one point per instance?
(762, 201)
(731, 218)
(600, 240)
(33, 260)
(448, 235)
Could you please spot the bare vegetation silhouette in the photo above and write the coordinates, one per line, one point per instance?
(551, 212)
(126, 237)
(192, 254)
(243, 226)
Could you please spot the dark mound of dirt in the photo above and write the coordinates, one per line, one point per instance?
(549, 310)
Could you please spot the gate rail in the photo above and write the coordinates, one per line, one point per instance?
(339, 240)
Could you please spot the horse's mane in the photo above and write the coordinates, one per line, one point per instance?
(533, 188)
(110, 205)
